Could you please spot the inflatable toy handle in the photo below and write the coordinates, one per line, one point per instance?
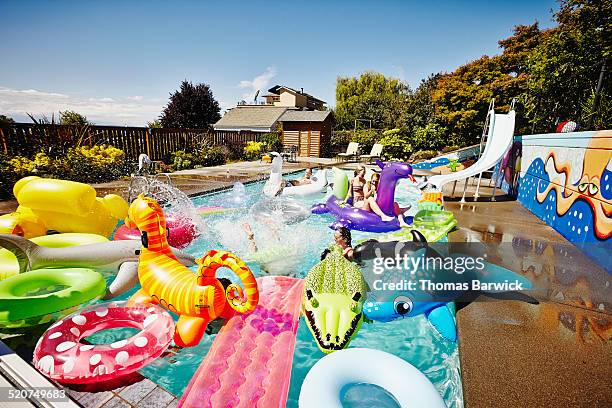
(234, 293)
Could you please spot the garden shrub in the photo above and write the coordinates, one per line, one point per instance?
(272, 142)
(95, 164)
(252, 150)
(182, 160)
(395, 147)
(211, 156)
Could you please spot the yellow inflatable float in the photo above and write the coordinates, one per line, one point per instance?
(62, 206)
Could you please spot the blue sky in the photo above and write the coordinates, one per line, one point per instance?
(117, 61)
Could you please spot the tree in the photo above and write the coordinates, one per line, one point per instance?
(462, 97)
(154, 124)
(193, 106)
(372, 96)
(5, 120)
(69, 117)
(564, 69)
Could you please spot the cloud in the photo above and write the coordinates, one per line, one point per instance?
(260, 82)
(130, 110)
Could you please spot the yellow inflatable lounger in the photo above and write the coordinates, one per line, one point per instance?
(62, 206)
(8, 262)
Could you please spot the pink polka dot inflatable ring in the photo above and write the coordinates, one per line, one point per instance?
(61, 356)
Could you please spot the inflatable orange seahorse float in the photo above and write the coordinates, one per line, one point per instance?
(197, 299)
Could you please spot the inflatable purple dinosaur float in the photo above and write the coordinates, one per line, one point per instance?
(358, 219)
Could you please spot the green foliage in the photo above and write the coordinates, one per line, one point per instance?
(154, 124)
(84, 164)
(601, 118)
(365, 137)
(94, 164)
(396, 147)
(565, 66)
(69, 117)
(430, 136)
(372, 96)
(193, 106)
(182, 160)
(253, 150)
(272, 141)
(213, 156)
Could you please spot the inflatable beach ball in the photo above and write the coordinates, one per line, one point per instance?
(567, 127)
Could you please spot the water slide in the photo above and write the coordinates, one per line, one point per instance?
(499, 140)
(249, 362)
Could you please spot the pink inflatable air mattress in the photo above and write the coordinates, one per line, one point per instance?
(249, 363)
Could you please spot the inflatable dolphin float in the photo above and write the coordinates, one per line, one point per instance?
(117, 257)
(435, 304)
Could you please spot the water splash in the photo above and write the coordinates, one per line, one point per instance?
(174, 202)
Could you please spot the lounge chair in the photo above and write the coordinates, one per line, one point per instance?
(351, 151)
(374, 153)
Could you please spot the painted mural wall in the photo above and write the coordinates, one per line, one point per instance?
(566, 180)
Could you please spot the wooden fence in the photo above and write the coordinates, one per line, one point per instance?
(25, 139)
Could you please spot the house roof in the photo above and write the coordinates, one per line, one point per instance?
(260, 118)
(277, 88)
(304, 116)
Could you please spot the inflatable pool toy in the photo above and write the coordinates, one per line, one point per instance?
(334, 292)
(206, 211)
(165, 281)
(436, 304)
(9, 263)
(358, 219)
(180, 232)
(62, 206)
(407, 384)
(374, 248)
(22, 222)
(22, 306)
(433, 197)
(275, 182)
(318, 186)
(249, 362)
(340, 183)
(282, 209)
(119, 258)
(61, 354)
(434, 225)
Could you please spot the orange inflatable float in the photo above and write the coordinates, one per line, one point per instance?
(197, 299)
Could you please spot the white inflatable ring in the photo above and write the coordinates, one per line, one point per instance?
(62, 356)
(408, 385)
(319, 185)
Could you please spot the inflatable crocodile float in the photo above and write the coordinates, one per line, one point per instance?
(334, 293)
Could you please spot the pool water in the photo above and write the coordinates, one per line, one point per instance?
(412, 339)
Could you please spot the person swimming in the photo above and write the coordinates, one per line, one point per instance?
(342, 237)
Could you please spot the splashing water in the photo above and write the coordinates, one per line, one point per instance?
(176, 204)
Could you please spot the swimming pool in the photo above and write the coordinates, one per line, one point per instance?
(411, 339)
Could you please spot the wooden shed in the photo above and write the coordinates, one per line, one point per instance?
(310, 131)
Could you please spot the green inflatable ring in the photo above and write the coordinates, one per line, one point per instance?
(340, 188)
(19, 309)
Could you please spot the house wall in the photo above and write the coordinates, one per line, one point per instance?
(565, 179)
(289, 99)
